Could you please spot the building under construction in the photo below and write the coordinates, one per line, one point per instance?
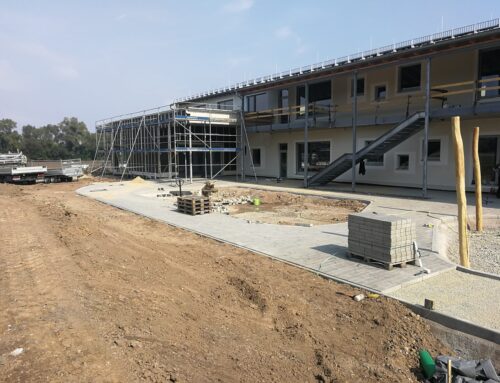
(181, 140)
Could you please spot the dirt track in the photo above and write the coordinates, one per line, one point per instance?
(95, 294)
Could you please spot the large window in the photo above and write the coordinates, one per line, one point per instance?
(320, 92)
(410, 77)
(257, 102)
(225, 105)
(374, 160)
(489, 73)
(318, 154)
(283, 105)
(300, 101)
(360, 88)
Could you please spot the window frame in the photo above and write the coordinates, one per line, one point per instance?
(350, 92)
(362, 144)
(411, 162)
(375, 86)
(482, 96)
(261, 157)
(443, 151)
(296, 153)
(399, 75)
(225, 102)
(254, 97)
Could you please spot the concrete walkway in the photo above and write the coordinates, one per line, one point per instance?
(321, 249)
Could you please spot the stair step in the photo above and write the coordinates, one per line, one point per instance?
(341, 165)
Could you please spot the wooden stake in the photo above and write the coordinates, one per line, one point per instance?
(449, 371)
(477, 179)
(460, 186)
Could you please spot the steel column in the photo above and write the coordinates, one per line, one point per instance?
(426, 127)
(306, 136)
(354, 125)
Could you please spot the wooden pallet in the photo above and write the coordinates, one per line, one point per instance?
(387, 265)
(193, 205)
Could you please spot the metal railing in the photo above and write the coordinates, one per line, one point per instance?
(392, 48)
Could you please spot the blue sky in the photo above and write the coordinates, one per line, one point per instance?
(94, 59)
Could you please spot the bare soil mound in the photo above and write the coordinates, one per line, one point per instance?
(97, 294)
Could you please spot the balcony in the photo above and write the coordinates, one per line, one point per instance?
(467, 98)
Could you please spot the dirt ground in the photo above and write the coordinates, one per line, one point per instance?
(290, 209)
(96, 294)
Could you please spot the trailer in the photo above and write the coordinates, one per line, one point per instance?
(61, 170)
(13, 169)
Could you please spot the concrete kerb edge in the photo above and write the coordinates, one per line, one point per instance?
(461, 325)
(479, 273)
(443, 319)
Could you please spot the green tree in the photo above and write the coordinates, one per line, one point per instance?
(68, 139)
(10, 139)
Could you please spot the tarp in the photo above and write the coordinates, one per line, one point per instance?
(465, 371)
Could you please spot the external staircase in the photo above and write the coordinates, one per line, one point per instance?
(381, 145)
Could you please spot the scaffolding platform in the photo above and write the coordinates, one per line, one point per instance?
(179, 141)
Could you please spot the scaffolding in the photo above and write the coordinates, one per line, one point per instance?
(177, 141)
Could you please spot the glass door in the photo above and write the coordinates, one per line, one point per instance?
(488, 156)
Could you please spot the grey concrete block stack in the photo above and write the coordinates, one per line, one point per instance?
(384, 238)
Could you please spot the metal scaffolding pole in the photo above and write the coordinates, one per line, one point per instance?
(132, 147)
(426, 127)
(354, 125)
(306, 136)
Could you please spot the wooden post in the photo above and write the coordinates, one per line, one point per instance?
(477, 179)
(460, 186)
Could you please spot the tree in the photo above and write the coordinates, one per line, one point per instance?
(68, 139)
(10, 140)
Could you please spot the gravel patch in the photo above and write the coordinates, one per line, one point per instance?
(484, 251)
(458, 294)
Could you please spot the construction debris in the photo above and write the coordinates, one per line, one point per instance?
(208, 189)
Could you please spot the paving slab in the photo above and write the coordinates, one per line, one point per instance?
(321, 249)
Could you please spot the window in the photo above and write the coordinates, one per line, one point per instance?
(380, 93)
(321, 92)
(489, 72)
(300, 101)
(283, 104)
(403, 162)
(318, 153)
(226, 104)
(409, 77)
(256, 158)
(256, 102)
(360, 89)
(433, 150)
(374, 160)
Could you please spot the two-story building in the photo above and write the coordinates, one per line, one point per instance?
(391, 106)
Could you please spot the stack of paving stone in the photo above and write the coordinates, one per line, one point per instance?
(383, 238)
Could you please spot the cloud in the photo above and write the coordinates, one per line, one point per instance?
(283, 32)
(238, 6)
(65, 72)
(287, 33)
(121, 17)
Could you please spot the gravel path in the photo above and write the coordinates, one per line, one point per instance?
(458, 294)
(484, 251)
